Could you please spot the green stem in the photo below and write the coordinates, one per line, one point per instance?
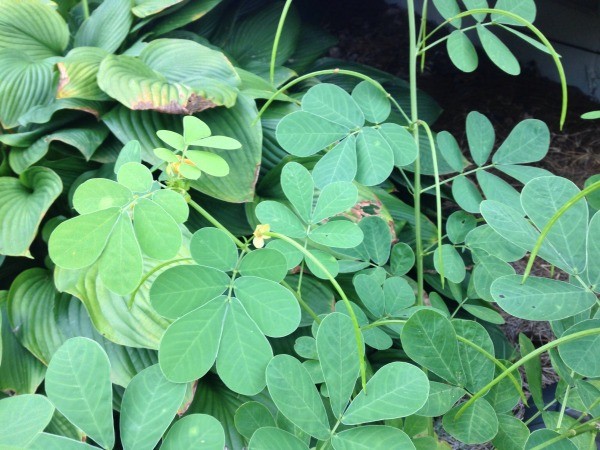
(581, 429)
(284, 14)
(340, 291)
(523, 360)
(557, 215)
(216, 223)
(149, 274)
(448, 180)
(438, 196)
(302, 303)
(563, 407)
(383, 323)
(414, 113)
(86, 9)
(539, 413)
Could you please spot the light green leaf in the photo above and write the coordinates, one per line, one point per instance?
(481, 137)
(478, 369)
(486, 271)
(46, 441)
(338, 164)
(332, 103)
(78, 384)
(429, 339)
(458, 226)
(484, 240)
(23, 418)
(448, 9)
(334, 199)
(298, 187)
(23, 204)
(527, 142)
(304, 134)
(189, 346)
(199, 431)
(503, 396)
(172, 138)
(477, 4)
(466, 194)
(78, 242)
(363, 438)
(450, 151)
(533, 371)
(526, 9)
(214, 248)
(498, 52)
(158, 234)
(107, 27)
(441, 399)
(264, 263)
(280, 218)
(269, 437)
(131, 152)
(170, 75)
(375, 158)
(401, 142)
(252, 416)
(478, 424)
(396, 390)
(582, 355)
(272, 306)
(210, 163)
(244, 352)
(370, 293)
(512, 433)
(337, 233)
(173, 203)
(135, 176)
(377, 238)
(148, 407)
(592, 269)
(540, 298)
(453, 265)
(145, 8)
(398, 295)
(327, 260)
(339, 359)
(188, 13)
(462, 51)
(218, 142)
(495, 188)
(98, 194)
(194, 129)
(402, 259)
(296, 397)
(374, 103)
(541, 437)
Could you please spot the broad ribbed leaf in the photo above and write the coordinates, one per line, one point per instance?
(375, 157)
(78, 71)
(22, 419)
(396, 390)
(199, 431)
(332, 103)
(339, 359)
(144, 8)
(478, 424)
(528, 142)
(462, 51)
(25, 83)
(188, 13)
(42, 114)
(148, 407)
(498, 52)
(338, 164)
(540, 298)
(170, 75)
(78, 383)
(363, 438)
(107, 27)
(23, 204)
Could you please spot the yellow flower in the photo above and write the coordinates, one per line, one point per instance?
(259, 237)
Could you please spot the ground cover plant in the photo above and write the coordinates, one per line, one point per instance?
(214, 239)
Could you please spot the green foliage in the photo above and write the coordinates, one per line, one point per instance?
(135, 163)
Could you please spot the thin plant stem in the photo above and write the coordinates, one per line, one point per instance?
(383, 323)
(448, 180)
(422, 30)
(284, 14)
(302, 303)
(539, 413)
(86, 9)
(572, 432)
(204, 213)
(563, 406)
(340, 291)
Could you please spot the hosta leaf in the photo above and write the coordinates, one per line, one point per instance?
(466, 194)
(148, 407)
(375, 158)
(332, 103)
(264, 263)
(363, 438)
(188, 13)
(541, 198)
(498, 52)
(339, 359)
(144, 8)
(374, 103)
(337, 233)
(296, 397)
(478, 424)
(429, 339)
(78, 72)
(158, 234)
(512, 433)
(280, 218)
(42, 114)
(304, 134)
(195, 431)
(448, 9)
(481, 137)
(523, 8)
(269, 437)
(181, 289)
(478, 369)
(189, 346)
(131, 152)
(396, 390)
(78, 384)
(582, 355)
(170, 75)
(333, 199)
(540, 298)
(251, 416)
(23, 418)
(528, 142)
(33, 29)
(298, 187)
(107, 27)
(449, 263)
(441, 399)
(23, 204)
(272, 306)
(462, 51)
(401, 142)
(214, 248)
(338, 164)
(244, 352)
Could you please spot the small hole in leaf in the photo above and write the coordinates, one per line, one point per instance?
(501, 296)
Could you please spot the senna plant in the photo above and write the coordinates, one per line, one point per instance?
(282, 278)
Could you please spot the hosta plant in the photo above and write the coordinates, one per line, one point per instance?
(283, 277)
